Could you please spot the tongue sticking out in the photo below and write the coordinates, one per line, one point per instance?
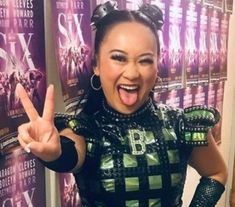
(128, 97)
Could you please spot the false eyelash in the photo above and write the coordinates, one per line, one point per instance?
(147, 60)
(118, 57)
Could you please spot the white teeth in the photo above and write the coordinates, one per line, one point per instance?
(128, 87)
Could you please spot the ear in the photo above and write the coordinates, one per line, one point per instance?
(96, 66)
(96, 70)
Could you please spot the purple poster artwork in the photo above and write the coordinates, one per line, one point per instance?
(224, 25)
(22, 180)
(175, 98)
(22, 60)
(189, 96)
(218, 4)
(216, 131)
(191, 43)
(175, 44)
(203, 69)
(68, 190)
(121, 4)
(229, 6)
(163, 34)
(72, 37)
(201, 95)
(208, 3)
(214, 58)
(212, 95)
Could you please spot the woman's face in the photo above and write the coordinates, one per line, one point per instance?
(127, 65)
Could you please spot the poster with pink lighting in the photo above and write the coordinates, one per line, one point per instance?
(214, 47)
(201, 96)
(22, 60)
(68, 191)
(163, 35)
(203, 61)
(224, 28)
(191, 42)
(22, 180)
(229, 6)
(72, 40)
(219, 4)
(219, 105)
(175, 44)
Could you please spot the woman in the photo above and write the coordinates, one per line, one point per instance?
(124, 149)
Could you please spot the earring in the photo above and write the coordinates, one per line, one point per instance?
(93, 85)
(158, 87)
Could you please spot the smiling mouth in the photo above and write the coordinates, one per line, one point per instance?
(129, 88)
(128, 94)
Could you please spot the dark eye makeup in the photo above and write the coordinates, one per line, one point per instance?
(118, 57)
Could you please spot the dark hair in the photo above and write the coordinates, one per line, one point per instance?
(148, 15)
(119, 16)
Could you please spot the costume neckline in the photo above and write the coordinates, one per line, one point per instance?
(117, 115)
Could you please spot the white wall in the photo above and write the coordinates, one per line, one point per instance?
(226, 147)
(52, 189)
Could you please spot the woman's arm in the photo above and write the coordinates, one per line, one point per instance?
(209, 163)
(61, 152)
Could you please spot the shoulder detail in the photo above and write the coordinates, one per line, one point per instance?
(80, 123)
(195, 123)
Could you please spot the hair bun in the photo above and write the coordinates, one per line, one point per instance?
(101, 11)
(154, 13)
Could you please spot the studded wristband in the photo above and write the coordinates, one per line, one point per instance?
(207, 194)
(68, 158)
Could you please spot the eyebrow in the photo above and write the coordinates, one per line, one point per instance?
(121, 51)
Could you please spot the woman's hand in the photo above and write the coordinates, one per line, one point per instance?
(39, 135)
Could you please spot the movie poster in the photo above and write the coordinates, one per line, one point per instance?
(203, 69)
(216, 131)
(212, 94)
(72, 38)
(163, 71)
(218, 4)
(133, 4)
(224, 27)
(208, 3)
(191, 43)
(189, 94)
(121, 4)
(68, 191)
(22, 180)
(174, 98)
(176, 39)
(229, 6)
(214, 58)
(22, 60)
(201, 96)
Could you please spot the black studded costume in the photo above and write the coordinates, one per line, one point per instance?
(138, 160)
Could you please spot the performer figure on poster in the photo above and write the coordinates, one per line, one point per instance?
(35, 77)
(126, 150)
(70, 194)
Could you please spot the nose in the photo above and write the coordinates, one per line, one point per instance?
(131, 71)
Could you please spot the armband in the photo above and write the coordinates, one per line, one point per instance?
(60, 121)
(68, 158)
(207, 193)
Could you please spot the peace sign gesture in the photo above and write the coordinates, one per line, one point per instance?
(39, 135)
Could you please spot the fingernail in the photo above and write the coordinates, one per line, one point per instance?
(27, 148)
